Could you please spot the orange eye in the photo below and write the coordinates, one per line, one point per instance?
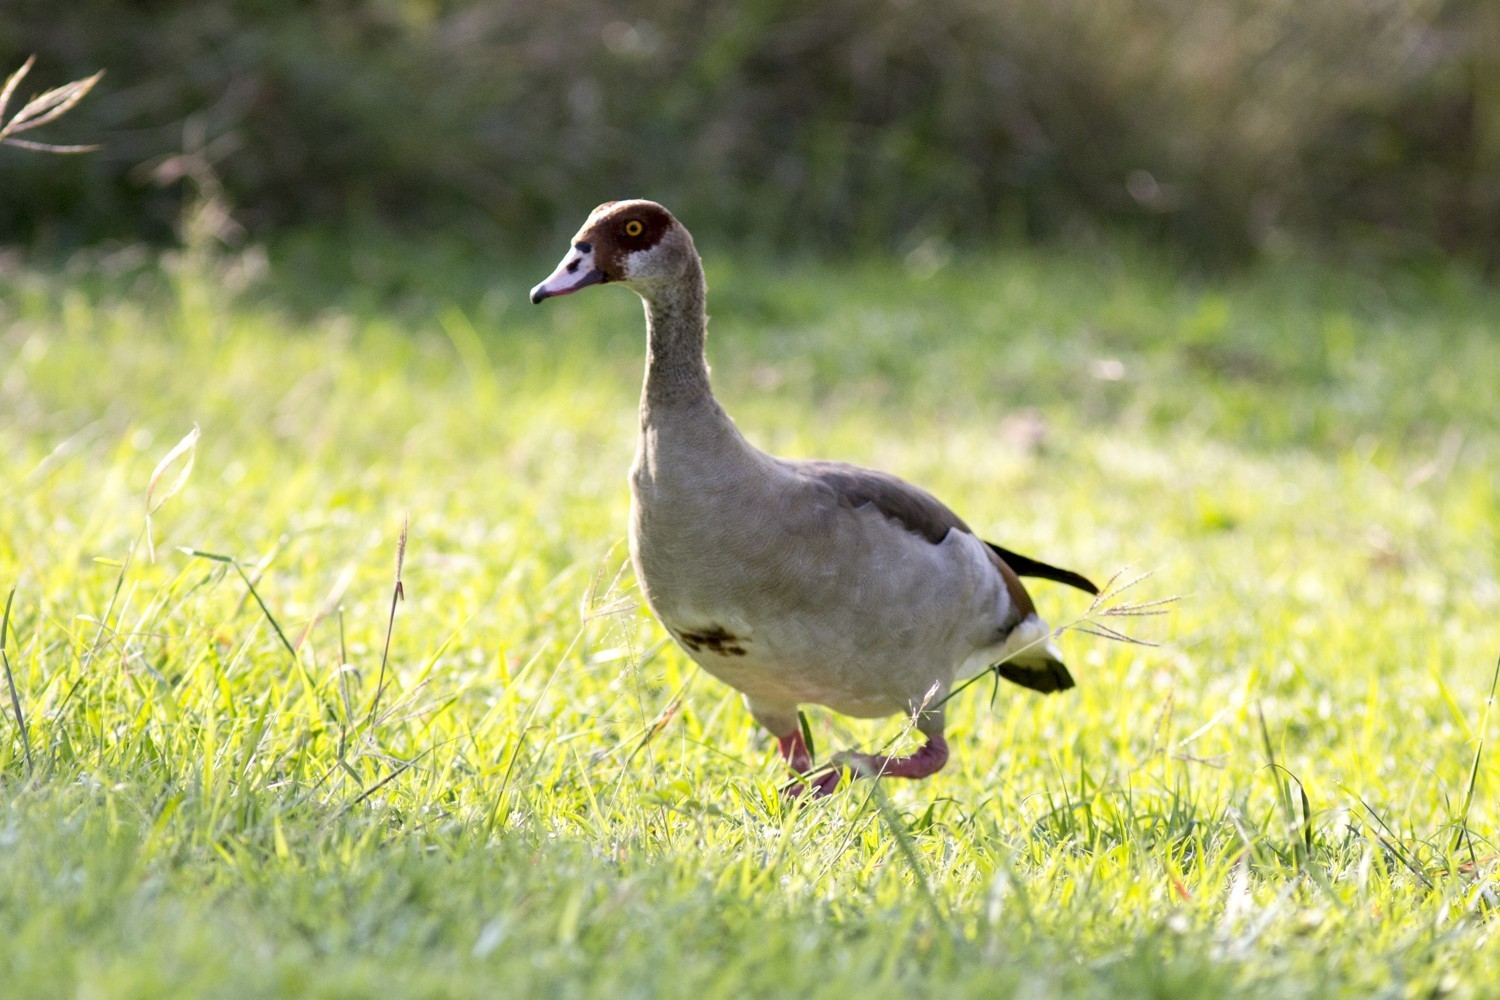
(634, 228)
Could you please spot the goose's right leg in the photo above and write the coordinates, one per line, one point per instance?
(784, 723)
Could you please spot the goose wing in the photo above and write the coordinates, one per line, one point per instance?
(924, 514)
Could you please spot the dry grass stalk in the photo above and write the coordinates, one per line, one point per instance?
(41, 110)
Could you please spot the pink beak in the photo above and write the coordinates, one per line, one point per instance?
(576, 271)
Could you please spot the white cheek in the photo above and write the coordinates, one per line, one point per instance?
(637, 264)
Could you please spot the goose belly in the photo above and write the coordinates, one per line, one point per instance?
(787, 660)
(865, 617)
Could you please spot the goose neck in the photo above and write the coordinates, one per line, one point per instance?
(676, 328)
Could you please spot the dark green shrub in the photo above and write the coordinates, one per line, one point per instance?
(1217, 124)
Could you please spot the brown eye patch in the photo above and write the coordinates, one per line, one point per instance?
(619, 229)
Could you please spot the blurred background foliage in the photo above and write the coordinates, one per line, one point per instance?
(1219, 126)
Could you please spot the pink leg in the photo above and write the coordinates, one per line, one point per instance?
(794, 751)
(926, 761)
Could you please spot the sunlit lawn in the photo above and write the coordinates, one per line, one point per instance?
(225, 789)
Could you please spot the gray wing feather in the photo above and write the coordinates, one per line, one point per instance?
(922, 513)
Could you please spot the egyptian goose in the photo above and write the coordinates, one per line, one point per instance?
(797, 581)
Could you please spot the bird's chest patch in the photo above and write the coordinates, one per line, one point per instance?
(715, 639)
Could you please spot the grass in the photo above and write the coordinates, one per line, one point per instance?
(226, 785)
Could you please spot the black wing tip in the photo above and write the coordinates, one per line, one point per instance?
(1078, 580)
(1047, 676)
(1027, 566)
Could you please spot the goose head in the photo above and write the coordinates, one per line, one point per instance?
(636, 243)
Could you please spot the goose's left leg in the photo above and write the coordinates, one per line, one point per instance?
(927, 760)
